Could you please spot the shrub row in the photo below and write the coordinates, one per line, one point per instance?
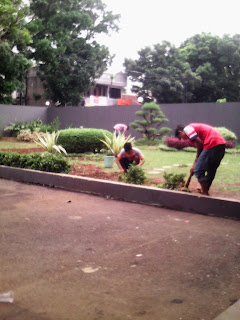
(227, 134)
(181, 144)
(83, 140)
(176, 143)
(36, 161)
(15, 128)
(29, 137)
(230, 144)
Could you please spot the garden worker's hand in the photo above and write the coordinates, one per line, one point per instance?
(192, 170)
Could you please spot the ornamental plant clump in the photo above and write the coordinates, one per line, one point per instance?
(230, 144)
(116, 143)
(227, 134)
(153, 118)
(134, 175)
(29, 137)
(176, 143)
(18, 127)
(173, 181)
(49, 142)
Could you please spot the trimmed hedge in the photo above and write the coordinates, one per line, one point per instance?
(36, 161)
(83, 140)
(176, 143)
(227, 134)
(230, 144)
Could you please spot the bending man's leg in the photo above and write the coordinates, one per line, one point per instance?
(215, 157)
(200, 169)
(124, 163)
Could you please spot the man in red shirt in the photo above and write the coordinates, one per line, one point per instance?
(210, 151)
(127, 156)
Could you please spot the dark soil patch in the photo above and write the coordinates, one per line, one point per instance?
(93, 171)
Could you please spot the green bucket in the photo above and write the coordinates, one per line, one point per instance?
(108, 161)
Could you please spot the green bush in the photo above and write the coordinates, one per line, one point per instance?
(36, 161)
(152, 120)
(53, 126)
(172, 181)
(83, 140)
(28, 136)
(15, 128)
(146, 142)
(221, 100)
(134, 175)
(227, 134)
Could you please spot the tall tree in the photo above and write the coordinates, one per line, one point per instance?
(13, 38)
(217, 61)
(64, 45)
(204, 68)
(162, 73)
(229, 49)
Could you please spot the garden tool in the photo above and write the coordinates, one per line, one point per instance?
(188, 180)
(185, 188)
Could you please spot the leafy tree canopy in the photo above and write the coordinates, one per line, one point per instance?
(162, 73)
(217, 61)
(204, 68)
(13, 37)
(64, 45)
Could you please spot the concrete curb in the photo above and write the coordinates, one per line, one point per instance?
(232, 313)
(175, 200)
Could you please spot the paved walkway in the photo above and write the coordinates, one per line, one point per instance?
(75, 256)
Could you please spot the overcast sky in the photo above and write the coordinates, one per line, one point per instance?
(147, 22)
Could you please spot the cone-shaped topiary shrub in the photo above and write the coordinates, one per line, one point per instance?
(152, 118)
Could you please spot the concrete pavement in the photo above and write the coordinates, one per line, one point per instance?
(68, 255)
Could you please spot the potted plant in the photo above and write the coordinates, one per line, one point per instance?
(114, 146)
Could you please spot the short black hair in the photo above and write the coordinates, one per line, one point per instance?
(179, 128)
(127, 146)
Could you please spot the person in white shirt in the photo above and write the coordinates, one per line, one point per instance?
(120, 128)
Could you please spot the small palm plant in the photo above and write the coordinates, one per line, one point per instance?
(49, 142)
(116, 144)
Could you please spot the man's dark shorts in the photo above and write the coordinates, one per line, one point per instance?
(208, 161)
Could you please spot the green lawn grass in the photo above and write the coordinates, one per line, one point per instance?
(6, 144)
(228, 172)
(227, 178)
(179, 162)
